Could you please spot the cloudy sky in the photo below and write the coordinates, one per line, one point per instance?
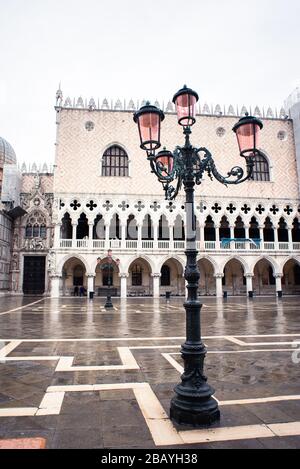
(230, 52)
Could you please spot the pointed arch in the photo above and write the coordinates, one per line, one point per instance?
(216, 267)
(272, 261)
(131, 259)
(66, 258)
(171, 256)
(240, 259)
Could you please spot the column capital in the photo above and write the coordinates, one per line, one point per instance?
(278, 275)
(55, 275)
(90, 274)
(249, 275)
(218, 275)
(123, 274)
(156, 275)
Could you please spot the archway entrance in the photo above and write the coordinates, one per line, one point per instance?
(234, 281)
(291, 278)
(264, 280)
(172, 278)
(207, 284)
(107, 277)
(139, 280)
(74, 280)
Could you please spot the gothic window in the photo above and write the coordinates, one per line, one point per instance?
(209, 229)
(261, 170)
(115, 162)
(28, 231)
(66, 227)
(137, 276)
(165, 279)
(36, 226)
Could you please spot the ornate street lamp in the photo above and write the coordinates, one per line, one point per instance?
(109, 267)
(193, 403)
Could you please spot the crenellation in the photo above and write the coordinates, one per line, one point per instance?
(205, 109)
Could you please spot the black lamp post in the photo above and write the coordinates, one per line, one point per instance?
(193, 403)
(108, 266)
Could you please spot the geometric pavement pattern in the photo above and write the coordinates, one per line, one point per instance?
(111, 366)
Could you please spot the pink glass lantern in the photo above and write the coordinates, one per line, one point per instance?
(148, 118)
(185, 102)
(247, 133)
(164, 162)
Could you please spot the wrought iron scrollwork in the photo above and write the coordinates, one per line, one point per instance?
(189, 161)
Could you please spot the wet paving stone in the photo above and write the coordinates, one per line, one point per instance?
(254, 362)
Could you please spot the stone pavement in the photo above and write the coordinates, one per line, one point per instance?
(83, 377)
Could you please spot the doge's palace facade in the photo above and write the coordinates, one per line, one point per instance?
(105, 198)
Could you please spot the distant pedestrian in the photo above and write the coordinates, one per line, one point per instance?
(76, 291)
(81, 291)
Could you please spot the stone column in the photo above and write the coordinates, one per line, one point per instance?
(90, 283)
(74, 228)
(219, 287)
(217, 236)
(156, 278)
(91, 226)
(249, 285)
(123, 277)
(55, 286)
(171, 237)
(275, 239)
(57, 235)
(261, 235)
(290, 238)
(278, 284)
(247, 244)
(106, 236)
(155, 236)
(123, 235)
(139, 240)
(201, 227)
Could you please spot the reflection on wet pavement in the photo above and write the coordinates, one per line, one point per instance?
(69, 357)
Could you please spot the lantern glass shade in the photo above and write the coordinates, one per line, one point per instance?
(148, 119)
(164, 163)
(185, 102)
(247, 133)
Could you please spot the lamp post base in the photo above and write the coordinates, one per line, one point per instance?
(108, 303)
(192, 412)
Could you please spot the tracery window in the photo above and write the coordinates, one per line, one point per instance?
(36, 226)
(115, 162)
(261, 171)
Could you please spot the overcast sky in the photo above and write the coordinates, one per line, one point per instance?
(229, 51)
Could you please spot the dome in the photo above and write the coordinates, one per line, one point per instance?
(7, 153)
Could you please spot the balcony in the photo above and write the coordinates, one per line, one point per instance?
(167, 245)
